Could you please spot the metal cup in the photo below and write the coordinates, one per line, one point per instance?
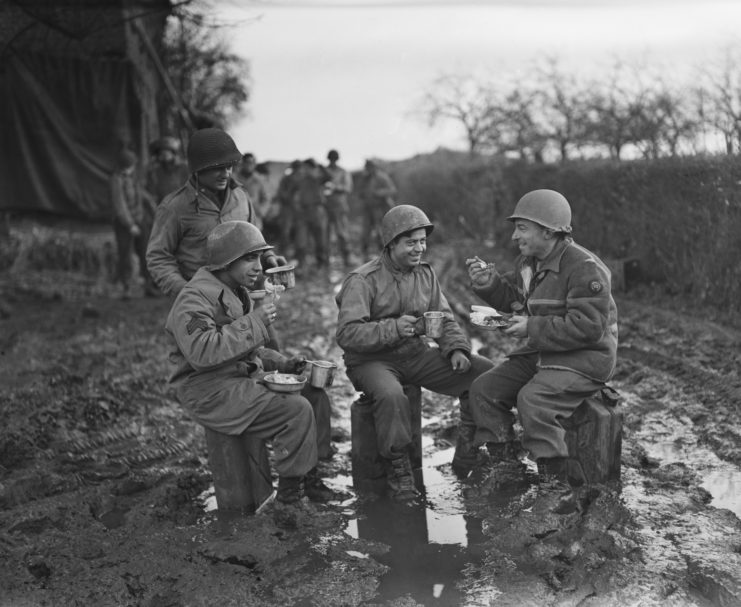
(257, 294)
(321, 373)
(434, 324)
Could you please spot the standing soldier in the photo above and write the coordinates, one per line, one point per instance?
(381, 326)
(167, 172)
(254, 185)
(311, 229)
(132, 211)
(177, 247)
(377, 196)
(285, 197)
(337, 191)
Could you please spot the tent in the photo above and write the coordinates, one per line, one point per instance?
(78, 82)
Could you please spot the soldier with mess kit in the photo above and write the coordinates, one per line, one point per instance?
(559, 294)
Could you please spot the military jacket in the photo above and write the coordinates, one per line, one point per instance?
(374, 295)
(573, 317)
(177, 246)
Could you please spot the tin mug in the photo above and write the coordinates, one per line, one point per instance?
(434, 324)
(321, 373)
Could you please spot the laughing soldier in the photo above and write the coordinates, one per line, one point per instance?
(381, 329)
(564, 311)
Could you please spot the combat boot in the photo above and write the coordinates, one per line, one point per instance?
(466, 456)
(400, 480)
(502, 452)
(289, 489)
(553, 475)
(504, 470)
(286, 509)
(317, 491)
(552, 469)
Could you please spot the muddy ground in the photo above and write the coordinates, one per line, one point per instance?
(106, 496)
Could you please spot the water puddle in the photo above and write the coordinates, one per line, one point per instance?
(721, 479)
(669, 441)
(430, 544)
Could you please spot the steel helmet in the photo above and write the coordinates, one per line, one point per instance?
(333, 155)
(545, 207)
(210, 148)
(403, 218)
(231, 240)
(164, 143)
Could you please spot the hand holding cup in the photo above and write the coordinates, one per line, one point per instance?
(268, 312)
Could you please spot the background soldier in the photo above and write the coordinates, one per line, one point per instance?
(254, 185)
(132, 212)
(311, 224)
(166, 172)
(337, 191)
(377, 196)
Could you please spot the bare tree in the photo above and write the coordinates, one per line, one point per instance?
(722, 101)
(518, 127)
(564, 114)
(212, 81)
(613, 109)
(663, 122)
(464, 100)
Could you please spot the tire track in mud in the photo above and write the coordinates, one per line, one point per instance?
(72, 463)
(716, 414)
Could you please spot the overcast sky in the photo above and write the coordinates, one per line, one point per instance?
(348, 74)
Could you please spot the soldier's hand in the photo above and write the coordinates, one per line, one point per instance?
(517, 326)
(405, 325)
(480, 272)
(135, 231)
(275, 261)
(267, 312)
(459, 361)
(295, 364)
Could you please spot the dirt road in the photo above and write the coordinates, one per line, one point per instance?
(105, 490)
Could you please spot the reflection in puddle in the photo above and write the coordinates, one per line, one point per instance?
(429, 545)
(427, 550)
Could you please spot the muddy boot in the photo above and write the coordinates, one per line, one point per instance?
(317, 491)
(286, 508)
(400, 480)
(504, 469)
(502, 452)
(553, 475)
(552, 469)
(466, 456)
(289, 489)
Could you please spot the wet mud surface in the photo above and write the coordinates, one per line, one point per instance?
(106, 495)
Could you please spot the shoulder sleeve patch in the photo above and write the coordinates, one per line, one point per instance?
(595, 286)
(196, 324)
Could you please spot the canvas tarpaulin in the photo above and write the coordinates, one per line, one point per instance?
(64, 120)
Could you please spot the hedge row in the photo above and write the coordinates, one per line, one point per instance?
(680, 217)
